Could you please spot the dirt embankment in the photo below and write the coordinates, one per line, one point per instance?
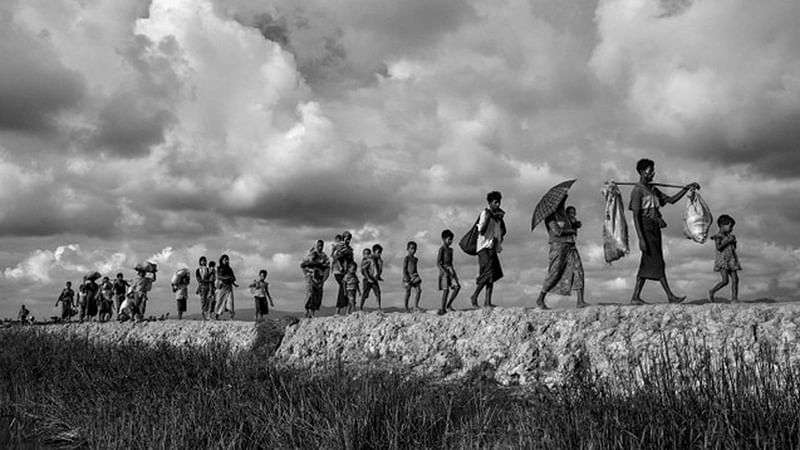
(512, 345)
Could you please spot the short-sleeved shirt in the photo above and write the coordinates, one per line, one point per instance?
(350, 282)
(120, 287)
(647, 200)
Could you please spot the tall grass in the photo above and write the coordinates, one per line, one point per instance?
(70, 392)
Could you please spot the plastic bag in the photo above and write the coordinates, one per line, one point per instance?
(697, 218)
(615, 227)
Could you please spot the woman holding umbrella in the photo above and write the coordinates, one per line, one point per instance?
(564, 268)
(646, 199)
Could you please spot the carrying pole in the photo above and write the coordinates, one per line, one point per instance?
(627, 183)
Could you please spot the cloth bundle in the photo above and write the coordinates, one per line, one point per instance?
(697, 218)
(146, 266)
(180, 277)
(615, 227)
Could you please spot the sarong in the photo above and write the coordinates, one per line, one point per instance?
(651, 266)
(489, 269)
(314, 295)
(225, 299)
(341, 296)
(564, 269)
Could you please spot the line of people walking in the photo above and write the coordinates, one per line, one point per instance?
(216, 283)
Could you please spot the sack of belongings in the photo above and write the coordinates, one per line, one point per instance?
(697, 218)
(181, 276)
(615, 227)
(92, 276)
(146, 266)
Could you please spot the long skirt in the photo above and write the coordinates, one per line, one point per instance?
(564, 269)
(489, 269)
(206, 297)
(66, 310)
(314, 296)
(341, 296)
(651, 266)
(225, 299)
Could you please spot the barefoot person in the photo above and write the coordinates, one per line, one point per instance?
(448, 280)
(726, 261)
(646, 201)
(316, 268)
(226, 281)
(491, 231)
(564, 269)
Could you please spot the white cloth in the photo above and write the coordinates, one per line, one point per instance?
(493, 231)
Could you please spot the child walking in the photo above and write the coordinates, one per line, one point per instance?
(447, 274)
(351, 287)
(726, 261)
(411, 278)
(369, 274)
(260, 290)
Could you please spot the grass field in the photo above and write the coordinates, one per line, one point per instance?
(72, 393)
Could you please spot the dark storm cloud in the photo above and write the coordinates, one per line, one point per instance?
(327, 200)
(34, 86)
(769, 147)
(129, 126)
(40, 213)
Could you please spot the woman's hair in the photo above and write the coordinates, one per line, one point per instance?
(494, 195)
(320, 241)
(202, 260)
(447, 234)
(643, 164)
(377, 248)
(222, 258)
(725, 220)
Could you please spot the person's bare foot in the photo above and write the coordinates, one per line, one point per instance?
(582, 305)
(541, 305)
(489, 305)
(676, 299)
(474, 302)
(638, 301)
(711, 296)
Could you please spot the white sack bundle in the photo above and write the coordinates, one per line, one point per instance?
(615, 227)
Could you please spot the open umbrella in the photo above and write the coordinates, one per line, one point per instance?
(549, 202)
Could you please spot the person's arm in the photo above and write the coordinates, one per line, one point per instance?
(671, 200)
(269, 297)
(406, 275)
(636, 208)
(722, 241)
(483, 222)
(440, 260)
(558, 229)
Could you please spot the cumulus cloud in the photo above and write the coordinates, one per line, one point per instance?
(718, 81)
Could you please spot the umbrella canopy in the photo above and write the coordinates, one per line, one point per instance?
(549, 202)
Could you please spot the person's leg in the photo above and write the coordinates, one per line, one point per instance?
(377, 290)
(723, 282)
(487, 300)
(453, 294)
(580, 303)
(406, 297)
(636, 299)
(474, 297)
(417, 295)
(445, 293)
(671, 297)
(734, 287)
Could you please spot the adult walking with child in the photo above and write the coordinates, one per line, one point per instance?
(646, 201)
(491, 228)
(342, 255)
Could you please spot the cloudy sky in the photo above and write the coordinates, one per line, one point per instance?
(171, 129)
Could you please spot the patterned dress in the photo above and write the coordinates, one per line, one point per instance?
(726, 259)
(564, 269)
